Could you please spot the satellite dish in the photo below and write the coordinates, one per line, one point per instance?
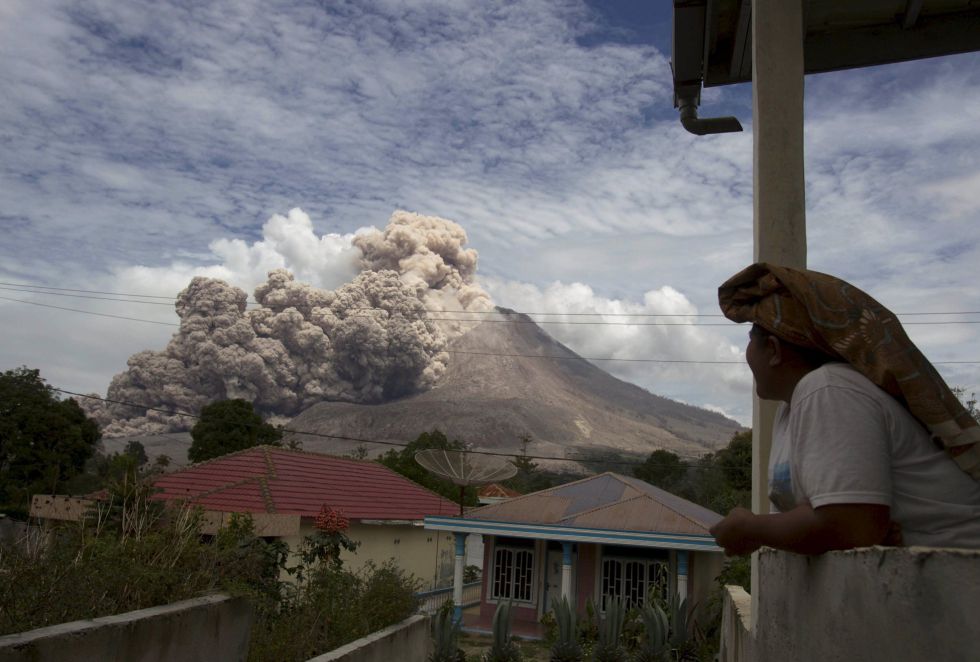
(464, 468)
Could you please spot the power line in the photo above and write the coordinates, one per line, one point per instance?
(427, 315)
(68, 289)
(89, 312)
(409, 314)
(360, 440)
(87, 296)
(420, 315)
(501, 354)
(584, 358)
(466, 312)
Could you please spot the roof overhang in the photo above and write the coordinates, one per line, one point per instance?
(573, 534)
(712, 39)
(391, 522)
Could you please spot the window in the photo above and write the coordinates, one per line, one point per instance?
(634, 580)
(513, 572)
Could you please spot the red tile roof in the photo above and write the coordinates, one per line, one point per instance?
(268, 479)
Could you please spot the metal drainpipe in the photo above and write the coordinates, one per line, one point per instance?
(704, 126)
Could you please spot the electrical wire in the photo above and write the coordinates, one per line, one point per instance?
(584, 358)
(449, 351)
(89, 312)
(447, 311)
(88, 296)
(427, 315)
(69, 289)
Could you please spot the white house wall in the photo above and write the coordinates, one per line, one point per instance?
(426, 554)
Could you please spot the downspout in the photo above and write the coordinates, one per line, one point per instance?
(703, 126)
(687, 63)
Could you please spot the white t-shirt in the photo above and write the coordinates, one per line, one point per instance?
(844, 440)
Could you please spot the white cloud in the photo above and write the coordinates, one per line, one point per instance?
(661, 325)
(288, 242)
(165, 135)
(960, 193)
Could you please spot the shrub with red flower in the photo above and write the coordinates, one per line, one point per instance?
(331, 520)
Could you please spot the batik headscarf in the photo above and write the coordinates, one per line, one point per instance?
(824, 313)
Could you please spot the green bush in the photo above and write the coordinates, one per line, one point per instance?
(88, 570)
(332, 607)
(130, 553)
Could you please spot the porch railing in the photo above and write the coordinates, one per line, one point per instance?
(430, 601)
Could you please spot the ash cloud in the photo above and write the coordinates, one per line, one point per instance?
(428, 253)
(367, 341)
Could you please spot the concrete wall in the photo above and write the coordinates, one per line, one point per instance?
(408, 641)
(736, 626)
(214, 627)
(878, 603)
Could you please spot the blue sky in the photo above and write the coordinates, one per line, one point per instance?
(144, 142)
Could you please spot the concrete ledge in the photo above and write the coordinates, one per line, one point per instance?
(408, 641)
(214, 627)
(736, 626)
(877, 603)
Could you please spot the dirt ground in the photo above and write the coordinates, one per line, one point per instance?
(474, 645)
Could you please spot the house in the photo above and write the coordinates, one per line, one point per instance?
(495, 493)
(598, 538)
(486, 494)
(283, 490)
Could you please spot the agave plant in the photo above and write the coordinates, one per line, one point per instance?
(445, 636)
(503, 648)
(679, 626)
(609, 648)
(655, 644)
(566, 647)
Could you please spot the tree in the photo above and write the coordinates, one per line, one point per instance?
(736, 461)
(44, 441)
(403, 462)
(523, 463)
(227, 426)
(722, 480)
(360, 452)
(135, 450)
(663, 469)
(529, 477)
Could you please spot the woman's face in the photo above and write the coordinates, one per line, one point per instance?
(758, 353)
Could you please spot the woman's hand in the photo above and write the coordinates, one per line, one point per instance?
(734, 533)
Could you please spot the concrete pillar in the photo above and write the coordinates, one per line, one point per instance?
(778, 186)
(458, 576)
(566, 572)
(682, 574)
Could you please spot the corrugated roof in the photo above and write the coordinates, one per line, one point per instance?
(606, 501)
(268, 479)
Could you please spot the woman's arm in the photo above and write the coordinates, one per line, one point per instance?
(804, 530)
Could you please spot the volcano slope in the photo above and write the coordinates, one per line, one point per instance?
(492, 394)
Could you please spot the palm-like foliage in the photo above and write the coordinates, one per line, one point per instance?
(609, 647)
(655, 643)
(566, 647)
(445, 636)
(503, 649)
